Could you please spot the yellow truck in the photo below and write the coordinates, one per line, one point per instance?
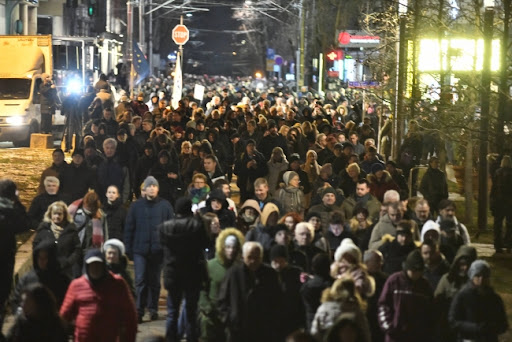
(22, 61)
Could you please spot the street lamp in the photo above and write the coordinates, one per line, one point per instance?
(484, 115)
(400, 79)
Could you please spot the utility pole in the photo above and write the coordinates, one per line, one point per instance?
(484, 115)
(302, 38)
(142, 40)
(129, 42)
(150, 39)
(400, 80)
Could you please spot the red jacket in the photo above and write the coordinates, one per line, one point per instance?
(102, 312)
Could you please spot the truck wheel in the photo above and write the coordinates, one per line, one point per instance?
(34, 128)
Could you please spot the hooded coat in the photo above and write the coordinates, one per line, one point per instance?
(227, 218)
(212, 329)
(263, 233)
(244, 226)
(56, 281)
(379, 187)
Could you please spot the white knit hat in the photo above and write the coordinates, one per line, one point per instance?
(114, 243)
(429, 225)
(348, 246)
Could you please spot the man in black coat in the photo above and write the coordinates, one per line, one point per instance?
(271, 140)
(183, 240)
(40, 203)
(249, 298)
(48, 100)
(78, 178)
(248, 168)
(501, 202)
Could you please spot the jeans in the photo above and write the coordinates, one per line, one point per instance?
(148, 269)
(174, 298)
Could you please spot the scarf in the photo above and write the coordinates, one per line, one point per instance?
(56, 230)
(363, 200)
(97, 227)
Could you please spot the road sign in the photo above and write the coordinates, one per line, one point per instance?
(180, 34)
(278, 60)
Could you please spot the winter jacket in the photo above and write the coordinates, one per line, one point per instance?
(379, 187)
(478, 314)
(184, 239)
(141, 234)
(212, 329)
(434, 187)
(110, 172)
(274, 170)
(249, 302)
(372, 204)
(311, 292)
(406, 309)
(267, 144)
(227, 218)
(52, 277)
(394, 255)
(291, 198)
(325, 212)
(383, 227)
(100, 311)
(169, 188)
(48, 329)
(69, 250)
(115, 216)
(121, 270)
(144, 164)
(53, 170)
(247, 176)
(75, 181)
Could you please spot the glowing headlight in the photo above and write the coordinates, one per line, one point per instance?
(74, 86)
(14, 120)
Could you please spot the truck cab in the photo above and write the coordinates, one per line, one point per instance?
(22, 62)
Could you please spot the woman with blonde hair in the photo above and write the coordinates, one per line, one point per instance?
(340, 298)
(284, 130)
(58, 227)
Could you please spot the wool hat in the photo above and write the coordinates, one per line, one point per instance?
(278, 251)
(479, 267)
(116, 244)
(414, 261)
(150, 180)
(328, 190)
(312, 214)
(183, 206)
(288, 175)
(429, 225)
(377, 167)
(78, 152)
(348, 246)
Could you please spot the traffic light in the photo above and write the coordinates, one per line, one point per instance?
(92, 8)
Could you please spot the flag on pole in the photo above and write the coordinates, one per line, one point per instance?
(140, 64)
(177, 87)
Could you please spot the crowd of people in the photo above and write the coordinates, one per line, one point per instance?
(325, 243)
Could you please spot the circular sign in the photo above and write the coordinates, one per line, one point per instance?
(344, 38)
(180, 34)
(278, 60)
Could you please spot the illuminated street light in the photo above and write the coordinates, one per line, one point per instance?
(258, 74)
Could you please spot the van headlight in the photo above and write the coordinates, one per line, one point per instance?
(14, 120)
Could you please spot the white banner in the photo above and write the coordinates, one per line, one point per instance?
(177, 87)
(199, 92)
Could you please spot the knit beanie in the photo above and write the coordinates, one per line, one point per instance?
(348, 246)
(479, 267)
(288, 175)
(377, 167)
(414, 261)
(150, 180)
(118, 244)
(278, 251)
(328, 190)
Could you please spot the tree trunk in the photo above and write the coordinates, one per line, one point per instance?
(468, 182)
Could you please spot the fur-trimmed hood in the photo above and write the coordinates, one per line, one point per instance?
(386, 178)
(221, 239)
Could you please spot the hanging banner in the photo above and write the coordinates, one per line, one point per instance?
(177, 87)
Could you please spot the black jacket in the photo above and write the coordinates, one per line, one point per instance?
(116, 217)
(69, 249)
(268, 143)
(249, 302)
(311, 293)
(184, 240)
(39, 206)
(478, 314)
(76, 181)
(394, 255)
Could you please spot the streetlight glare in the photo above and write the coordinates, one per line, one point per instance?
(402, 7)
(489, 3)
(258, 74)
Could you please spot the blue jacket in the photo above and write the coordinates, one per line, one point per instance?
(141, 235)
